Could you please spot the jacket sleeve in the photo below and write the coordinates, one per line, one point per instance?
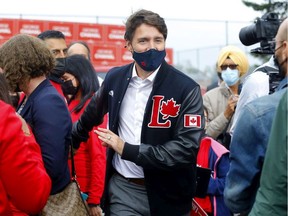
(51, 128)
(22, 172)
(246, 159)
(217, 183)
(92, 116)
(97, 154)
(177, 152)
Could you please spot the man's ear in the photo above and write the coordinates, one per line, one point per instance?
(285, 44)
(128, 46)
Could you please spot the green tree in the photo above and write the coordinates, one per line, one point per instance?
(279, 7)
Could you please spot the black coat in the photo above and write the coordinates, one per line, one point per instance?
(169, 145)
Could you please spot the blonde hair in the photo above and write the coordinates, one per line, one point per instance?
(236, 55)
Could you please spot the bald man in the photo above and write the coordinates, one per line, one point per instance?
(251, 136)
(81, 48)
(271, 197)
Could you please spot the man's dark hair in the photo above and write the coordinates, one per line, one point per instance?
(146, 17)
(51, 34)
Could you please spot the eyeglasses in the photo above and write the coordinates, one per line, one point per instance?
(232, 67)
(278, 46)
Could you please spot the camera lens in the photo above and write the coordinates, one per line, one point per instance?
(248, 35)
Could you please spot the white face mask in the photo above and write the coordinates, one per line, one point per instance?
(230, 77)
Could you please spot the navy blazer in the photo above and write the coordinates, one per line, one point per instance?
(47, 114)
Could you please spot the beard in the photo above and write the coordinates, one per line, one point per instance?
(282, 65)
(283, 68)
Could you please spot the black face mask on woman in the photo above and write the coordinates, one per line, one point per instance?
(68, 88)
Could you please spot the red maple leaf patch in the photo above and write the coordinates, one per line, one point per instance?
(169, 109)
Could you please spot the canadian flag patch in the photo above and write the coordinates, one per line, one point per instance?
(192, 120)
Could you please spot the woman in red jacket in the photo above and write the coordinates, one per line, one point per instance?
(24, 182)
(80, 83)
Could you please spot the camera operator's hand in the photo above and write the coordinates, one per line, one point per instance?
(230, 108)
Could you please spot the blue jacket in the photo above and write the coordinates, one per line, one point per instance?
(47, 114)
(168, 147)
(219, 163)
(247, 152)
(271, 197)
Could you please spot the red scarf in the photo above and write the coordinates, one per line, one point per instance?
(203, 161)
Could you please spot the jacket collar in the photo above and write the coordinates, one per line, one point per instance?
(33, 95)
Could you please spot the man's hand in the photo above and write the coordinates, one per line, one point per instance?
(95, 211)
(110, 140)
(77, 138)
(230, 108)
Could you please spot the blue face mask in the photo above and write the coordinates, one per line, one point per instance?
(230, 77)
(149, 60)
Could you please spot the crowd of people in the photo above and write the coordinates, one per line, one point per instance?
(140, 135)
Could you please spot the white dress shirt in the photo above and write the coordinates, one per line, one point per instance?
(131, 119)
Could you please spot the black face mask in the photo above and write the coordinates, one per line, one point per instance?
(60, 67)
(149, 60)
(68, 88)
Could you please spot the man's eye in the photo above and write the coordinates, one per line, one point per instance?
(55, 52)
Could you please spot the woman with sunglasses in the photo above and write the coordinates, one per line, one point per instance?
(221, 101)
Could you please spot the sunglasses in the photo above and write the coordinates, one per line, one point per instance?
(232, 67)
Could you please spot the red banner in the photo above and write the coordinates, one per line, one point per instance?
(169, 56)
(104, 55)
(7, 28)
(105, 41)
(126, 56)
(66, 28)
(90, 32)
(115, 34)
(31, 27)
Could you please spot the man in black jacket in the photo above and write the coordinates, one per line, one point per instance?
(156, 121)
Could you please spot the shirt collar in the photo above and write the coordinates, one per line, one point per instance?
(150, 78)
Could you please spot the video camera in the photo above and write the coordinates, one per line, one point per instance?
(264, 31)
